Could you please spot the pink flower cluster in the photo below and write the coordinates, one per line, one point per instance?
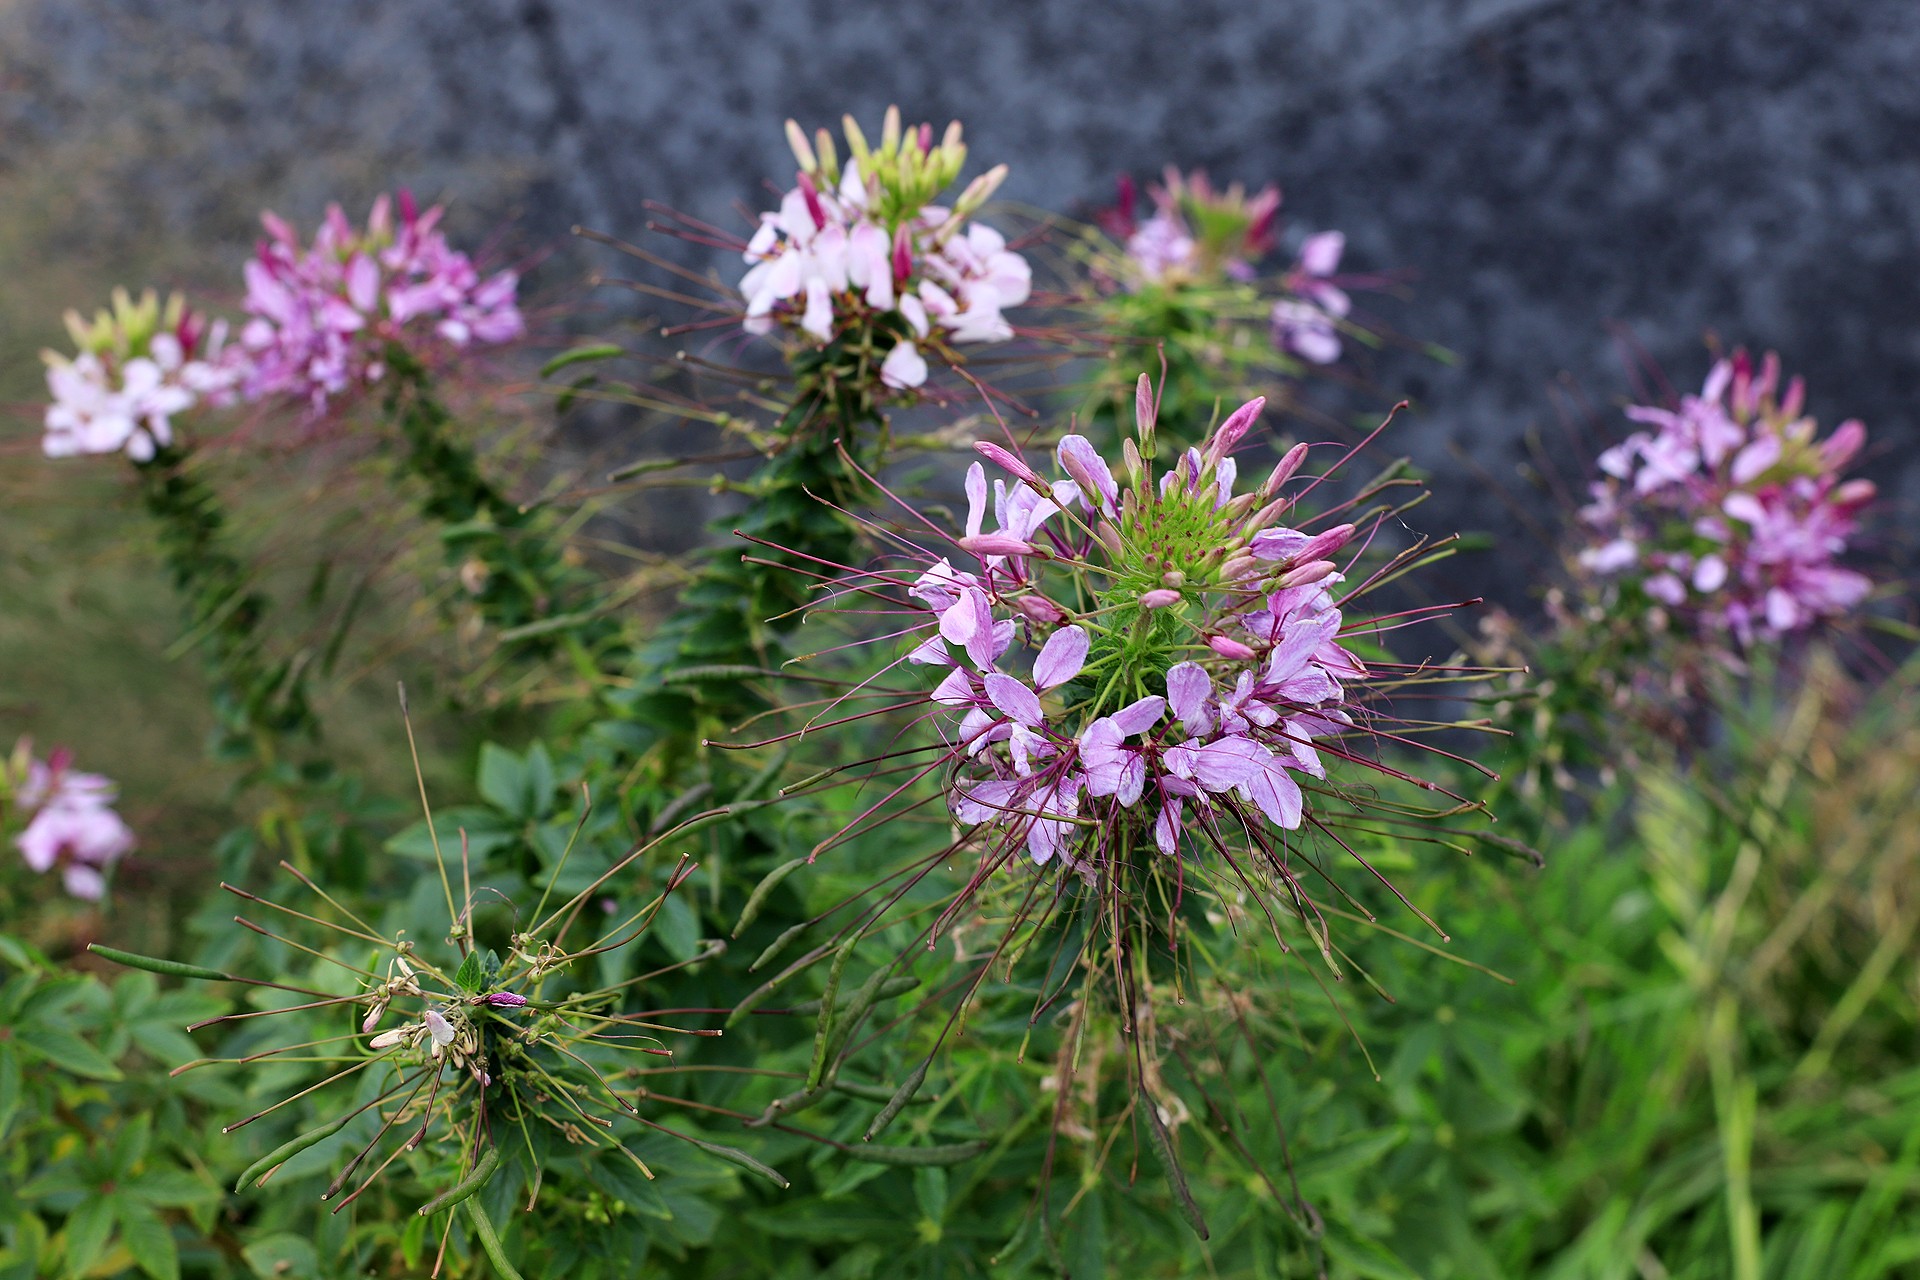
(1221, 715)
(321, 315)
(123, 398)
(1193, 229)
(1729, 511)
(822, 261)
(1196, 232)
(73, 826)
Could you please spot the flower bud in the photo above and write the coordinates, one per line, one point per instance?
(902, 257)
(1854, 493)
(829, 156)
(995, 544)
(1108, 537)
(1227, 648)
(1268, 514)
(1839, 448)
(815, 209)
(1159, 598)
(1238, 423)
(1284, 470)
(503, 1000)
(1145, 412)
(1307, 574)
(1040, 609)
(1239, 567)
(1012, 464)
(1324, 544)
(979, 191)
(802, 153)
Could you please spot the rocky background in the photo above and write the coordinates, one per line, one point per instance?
(1545, 170)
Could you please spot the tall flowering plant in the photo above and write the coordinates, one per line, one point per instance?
(1153, 713)
(385, 308)
(871, 287)
(140, 367)
(1729, 513)
(1187, 274)
(1714, 535)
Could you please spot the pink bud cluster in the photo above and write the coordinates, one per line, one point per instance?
(822, 262)
(106, 401)
(1729, 512)
(321, 315)
(1187, 649)
(73, 826)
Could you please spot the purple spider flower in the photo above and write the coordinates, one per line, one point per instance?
(1728, 512)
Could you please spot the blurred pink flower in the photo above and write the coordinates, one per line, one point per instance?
(321, 315)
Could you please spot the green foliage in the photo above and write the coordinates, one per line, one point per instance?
(100, 1168)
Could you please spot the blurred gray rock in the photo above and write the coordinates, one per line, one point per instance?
(1545, 168)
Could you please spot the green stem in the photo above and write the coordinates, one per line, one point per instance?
(525, 584)
(257, 699)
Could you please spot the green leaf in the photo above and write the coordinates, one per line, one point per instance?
(9, 1087)
(87, 1229)
(66, 1051)
(930, 1190)
(16, 953)
(618, 1178)
(130, 1144)
(283, 1257)
(150, 1241)
(170, 1189)
(485, 830)
(468, 977)
(505, 781)
(678, 927)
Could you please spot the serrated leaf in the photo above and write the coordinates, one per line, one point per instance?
(468, 976)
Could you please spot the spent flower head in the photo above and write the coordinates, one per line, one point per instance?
(1729, 513)
(136, 366)
(479, 1057)
(860, 246)
(322, 315)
